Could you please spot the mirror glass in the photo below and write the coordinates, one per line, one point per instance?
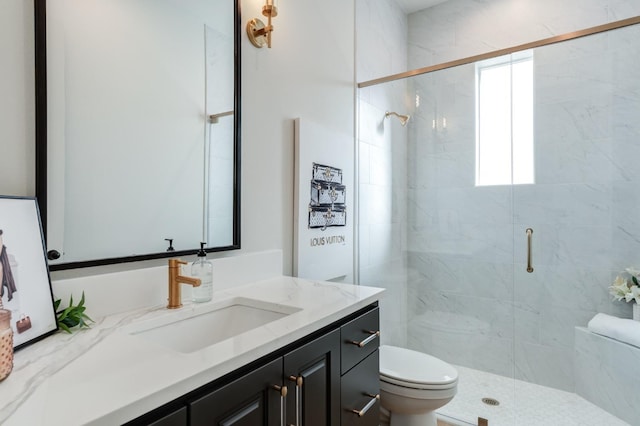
(142, 141)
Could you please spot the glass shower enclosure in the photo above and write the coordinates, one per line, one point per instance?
(498, 217)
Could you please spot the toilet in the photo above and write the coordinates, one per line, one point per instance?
(412, 386)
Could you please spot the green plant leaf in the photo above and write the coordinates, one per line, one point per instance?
(72, 316)
(63, 314)
(64, 327)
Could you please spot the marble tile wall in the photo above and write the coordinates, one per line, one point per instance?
(470, 300)
(382, 161)
(460, 28)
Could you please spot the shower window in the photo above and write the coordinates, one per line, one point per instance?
(504, 120)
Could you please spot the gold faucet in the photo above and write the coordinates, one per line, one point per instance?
(175, 279)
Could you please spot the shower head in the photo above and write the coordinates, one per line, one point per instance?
(403, 118)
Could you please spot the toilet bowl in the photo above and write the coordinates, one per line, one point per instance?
(412, 386)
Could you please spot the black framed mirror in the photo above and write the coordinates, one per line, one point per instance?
(137, 128)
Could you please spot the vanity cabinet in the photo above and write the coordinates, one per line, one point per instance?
(253, 399)
(331, 378)
(176, 418)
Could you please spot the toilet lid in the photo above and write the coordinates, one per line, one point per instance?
(411, 367)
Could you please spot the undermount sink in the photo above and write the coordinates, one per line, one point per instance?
(198, 326)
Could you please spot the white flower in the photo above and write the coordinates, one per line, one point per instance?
(633, 294)
(619, 289)
(627, 286)
(633, 271)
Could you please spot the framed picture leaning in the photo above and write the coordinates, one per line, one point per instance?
(26, 284)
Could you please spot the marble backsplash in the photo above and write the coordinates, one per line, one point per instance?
(117, 292)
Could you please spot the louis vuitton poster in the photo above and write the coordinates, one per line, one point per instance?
(323, 229)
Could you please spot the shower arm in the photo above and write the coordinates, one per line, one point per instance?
(403, 118)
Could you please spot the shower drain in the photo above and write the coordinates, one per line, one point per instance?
(490, 401)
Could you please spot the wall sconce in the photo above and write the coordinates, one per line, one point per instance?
(258, 33)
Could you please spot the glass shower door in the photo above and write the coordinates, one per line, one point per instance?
(461, 240)
(582, 209)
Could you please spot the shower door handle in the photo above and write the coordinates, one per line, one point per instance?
(529, 237)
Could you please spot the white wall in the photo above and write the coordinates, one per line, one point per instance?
(308, 73)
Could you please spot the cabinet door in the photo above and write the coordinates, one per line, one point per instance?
(251, 400)
(312, 375)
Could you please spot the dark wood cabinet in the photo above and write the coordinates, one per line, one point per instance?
(176, 418)
(253, 399)
(326, 379)
(360, 337)
(312, 375)
(360, 393)
(360, 366)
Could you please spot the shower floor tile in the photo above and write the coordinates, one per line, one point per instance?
(521, 403)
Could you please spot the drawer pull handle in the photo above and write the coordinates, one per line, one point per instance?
(370, 404)
(282, 390)
(361, 344)
(299, 382)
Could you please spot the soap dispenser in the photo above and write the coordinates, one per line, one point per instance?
(202, 269)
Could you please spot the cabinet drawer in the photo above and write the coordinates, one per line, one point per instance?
(359, 389)
(360, 337)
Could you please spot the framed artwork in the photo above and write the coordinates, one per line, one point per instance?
(323, 201)
(26, 284)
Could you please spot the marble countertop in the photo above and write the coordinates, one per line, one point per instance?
(105, 376)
